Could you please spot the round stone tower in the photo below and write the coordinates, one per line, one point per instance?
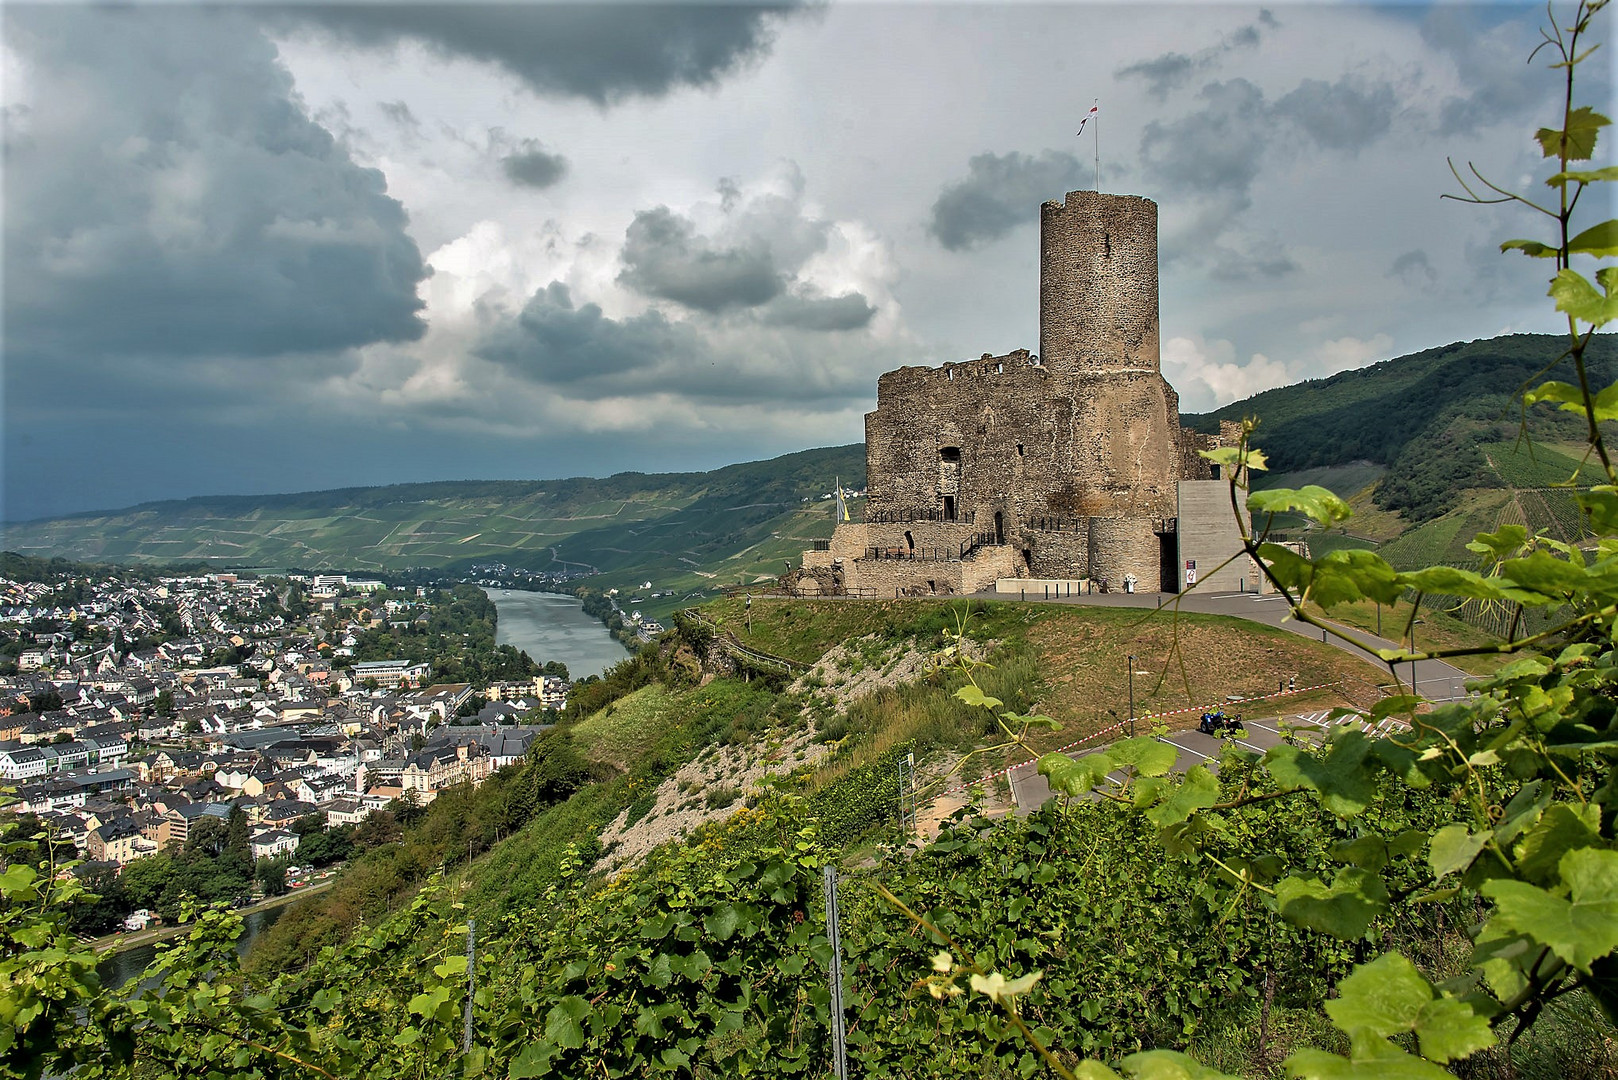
(1098, 283)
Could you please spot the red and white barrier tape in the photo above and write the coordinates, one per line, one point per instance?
(1121, 725)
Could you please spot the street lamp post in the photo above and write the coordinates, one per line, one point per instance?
(1131, 696)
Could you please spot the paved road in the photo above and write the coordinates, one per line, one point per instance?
(1030, 791)
(1434, 678)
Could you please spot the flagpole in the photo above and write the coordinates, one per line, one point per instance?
(1098, 149)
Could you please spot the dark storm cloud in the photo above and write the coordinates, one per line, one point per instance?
(399, 113)
(533, 166)
(1498, 85)
(168, 196)
(603, 52)
(554, 342)
(997, 194)
(665, 257)
(1163, 73)
(851, 311)
(1174, 70)
(1414, 269)
(1215, 149)
(1345, 115)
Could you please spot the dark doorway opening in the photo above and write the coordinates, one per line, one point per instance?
(910, 541)
(949, 508)
(949, 453)
(1168, 561)
(999, 527)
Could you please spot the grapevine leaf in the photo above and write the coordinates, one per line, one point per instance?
(1575, 296)
(1169, 1065)
(1508, 541)
(1350, 574)
(1578, 141)
(1385, 997)
(1532, 248)
(1343, 909)
(1342, 777)
(1366, 852)
(722, 922)
(1091, 1069)
(1586, 176)
(1075, 776)
(1501, 957)
(1149, 756)
(1598, 240)
(1198, 791)
(1453, 848)
(562, 1024)
(1562, 828)
(1393, 1065)
(534, 1060)
(1311, 500)
(971, 695)
(1452, 581)
(1580, 929)
(997, 987)
(1448, 1030)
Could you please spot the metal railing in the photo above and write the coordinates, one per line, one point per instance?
(920, 513)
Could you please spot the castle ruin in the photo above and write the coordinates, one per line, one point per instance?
(1063, 468)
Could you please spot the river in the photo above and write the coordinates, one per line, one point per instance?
(120, 967)
(549, 627)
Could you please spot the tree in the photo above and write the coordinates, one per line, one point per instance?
(271, 875)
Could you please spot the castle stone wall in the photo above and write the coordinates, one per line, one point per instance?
(1002, 450)
(1098, 283)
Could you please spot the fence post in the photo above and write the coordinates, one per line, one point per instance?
(471, 986)
(834, 939)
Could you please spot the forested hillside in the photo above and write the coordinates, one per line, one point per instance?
(1425, 418)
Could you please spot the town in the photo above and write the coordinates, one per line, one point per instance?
(265, 718)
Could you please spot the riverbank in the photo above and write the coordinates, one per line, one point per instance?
(113, 944)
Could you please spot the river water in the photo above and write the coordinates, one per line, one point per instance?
(119, 968)
(549, 627)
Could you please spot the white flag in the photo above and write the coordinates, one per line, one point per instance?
(1088, 117)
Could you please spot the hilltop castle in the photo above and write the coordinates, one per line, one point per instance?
(1066, 469)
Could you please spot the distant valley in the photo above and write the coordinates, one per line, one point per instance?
(1423, 445)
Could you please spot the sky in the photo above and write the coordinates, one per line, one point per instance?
(254, 248)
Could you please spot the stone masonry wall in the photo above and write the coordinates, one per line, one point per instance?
(1098, 283)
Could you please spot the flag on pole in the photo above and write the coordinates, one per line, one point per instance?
(842, 505)
(1094, 109)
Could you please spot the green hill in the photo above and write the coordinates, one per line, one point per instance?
(1425, 419)
(680, 529)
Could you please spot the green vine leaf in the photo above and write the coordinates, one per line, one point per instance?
(1343, 909)
(1149, 756)
(1316, 502)
(1577, 142)
(1453, 848)
(1580, 930)
(1198, 791)
(1575, 296)
(1599, 240)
